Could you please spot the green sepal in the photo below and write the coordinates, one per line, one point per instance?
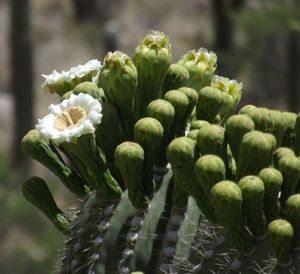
(36, 191)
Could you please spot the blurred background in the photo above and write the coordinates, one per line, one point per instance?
(257, 42)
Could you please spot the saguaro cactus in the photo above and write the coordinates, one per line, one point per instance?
(171, 179)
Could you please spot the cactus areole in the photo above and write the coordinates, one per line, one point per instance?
(170, 177)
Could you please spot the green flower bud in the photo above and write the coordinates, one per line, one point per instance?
(227, 201)
(164, 112)
(253, 191)
(44, 152)
(193, 134)
(91, 89)
(211, 140)
(279, 126)
(148, 132)
(91, 164)
(290, 168)
(198, 124)
(176, 77)
(292, 210)
(247, 109)
(109, 135)
(297, 135)
(255, 153)
(36, 191)
(181, 155)
(130, 159)
(118, 78)
(209, 104)
(152, 59)
(272, 179)
(192, 96)
(232, 92)
(201, 66)
(280, 153)
(235, 129)
(262, 119)
(281, 233)
(180, 102)
(209, 170)
(289, 119)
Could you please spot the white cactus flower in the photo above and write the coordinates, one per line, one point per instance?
(73, 117)
(56, 80)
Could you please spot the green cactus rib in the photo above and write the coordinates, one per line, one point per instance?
(36, 191)
(227, 200)
(272, 179)
(253, 192)
(281, 233)
(90, 162)
(45, 153)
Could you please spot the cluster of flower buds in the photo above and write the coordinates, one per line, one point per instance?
(121, 126)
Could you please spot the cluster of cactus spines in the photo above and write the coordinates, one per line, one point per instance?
(171, 178)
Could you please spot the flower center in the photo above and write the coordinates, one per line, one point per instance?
(70, 117)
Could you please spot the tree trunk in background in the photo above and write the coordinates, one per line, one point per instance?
(21, 77)
(293, 85)
(224, 29)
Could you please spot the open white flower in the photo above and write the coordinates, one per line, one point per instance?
(68, 79)
(71, 118)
